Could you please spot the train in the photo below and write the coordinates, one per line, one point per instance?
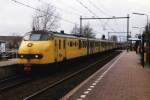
(46, 47)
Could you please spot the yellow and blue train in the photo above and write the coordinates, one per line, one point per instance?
(47, 47)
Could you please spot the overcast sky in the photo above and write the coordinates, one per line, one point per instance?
(15, 18)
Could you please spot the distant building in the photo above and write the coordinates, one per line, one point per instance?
(12, 42)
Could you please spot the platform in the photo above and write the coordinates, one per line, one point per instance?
(123, 78)
(8, 62)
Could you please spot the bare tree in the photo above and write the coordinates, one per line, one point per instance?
(75, 30)
(46, 18)
(87, 31)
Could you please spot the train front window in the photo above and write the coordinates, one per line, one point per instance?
(36, 37)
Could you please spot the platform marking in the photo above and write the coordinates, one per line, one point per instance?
(89, 89)
(79, 99)
(103, 74)
(83, 96)
(96, 81)
(86, 92)
(92, 86)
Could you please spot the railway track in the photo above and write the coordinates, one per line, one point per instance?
(38, 87)
(12, 82)
(45, 93)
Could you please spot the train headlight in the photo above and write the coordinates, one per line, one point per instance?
(36, 56)
(21, 56)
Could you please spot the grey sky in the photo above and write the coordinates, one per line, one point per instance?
(15, 18)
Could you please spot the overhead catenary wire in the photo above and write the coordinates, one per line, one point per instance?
(98, 8)
(86, 7)
(26, 5)
(67, 12)
(105, 9)
(74, 10)
(103, 6)
(82, 4)
(101, 11)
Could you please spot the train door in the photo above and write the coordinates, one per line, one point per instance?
(58, 50)
(64, 49)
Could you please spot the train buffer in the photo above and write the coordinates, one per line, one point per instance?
(123, 78)
(8, 62)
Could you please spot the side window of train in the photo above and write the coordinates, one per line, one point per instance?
(64, 44)
(59, 44)
(70, 43)
(79, 44)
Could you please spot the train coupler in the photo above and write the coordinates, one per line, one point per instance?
(27, 69)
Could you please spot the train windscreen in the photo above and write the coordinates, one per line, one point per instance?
(35, 37)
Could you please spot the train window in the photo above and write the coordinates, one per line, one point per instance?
(44, 37)
(59, 44)
(35, 36)
(64, 44)
(79, 44)
(71, 44)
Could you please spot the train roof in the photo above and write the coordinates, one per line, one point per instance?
(62, 34)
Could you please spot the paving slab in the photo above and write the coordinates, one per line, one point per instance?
(8, 62)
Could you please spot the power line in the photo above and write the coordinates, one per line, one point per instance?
(68, 12)
(75, 11)
(95, 6)
(92, 12)
(103, 6)
(40, 10)
(73, 8)
(100, 10)
(86, 7)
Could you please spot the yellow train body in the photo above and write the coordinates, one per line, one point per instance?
(39, 47)
(59, 47)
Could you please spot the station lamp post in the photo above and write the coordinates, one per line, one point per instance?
(143, 39)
